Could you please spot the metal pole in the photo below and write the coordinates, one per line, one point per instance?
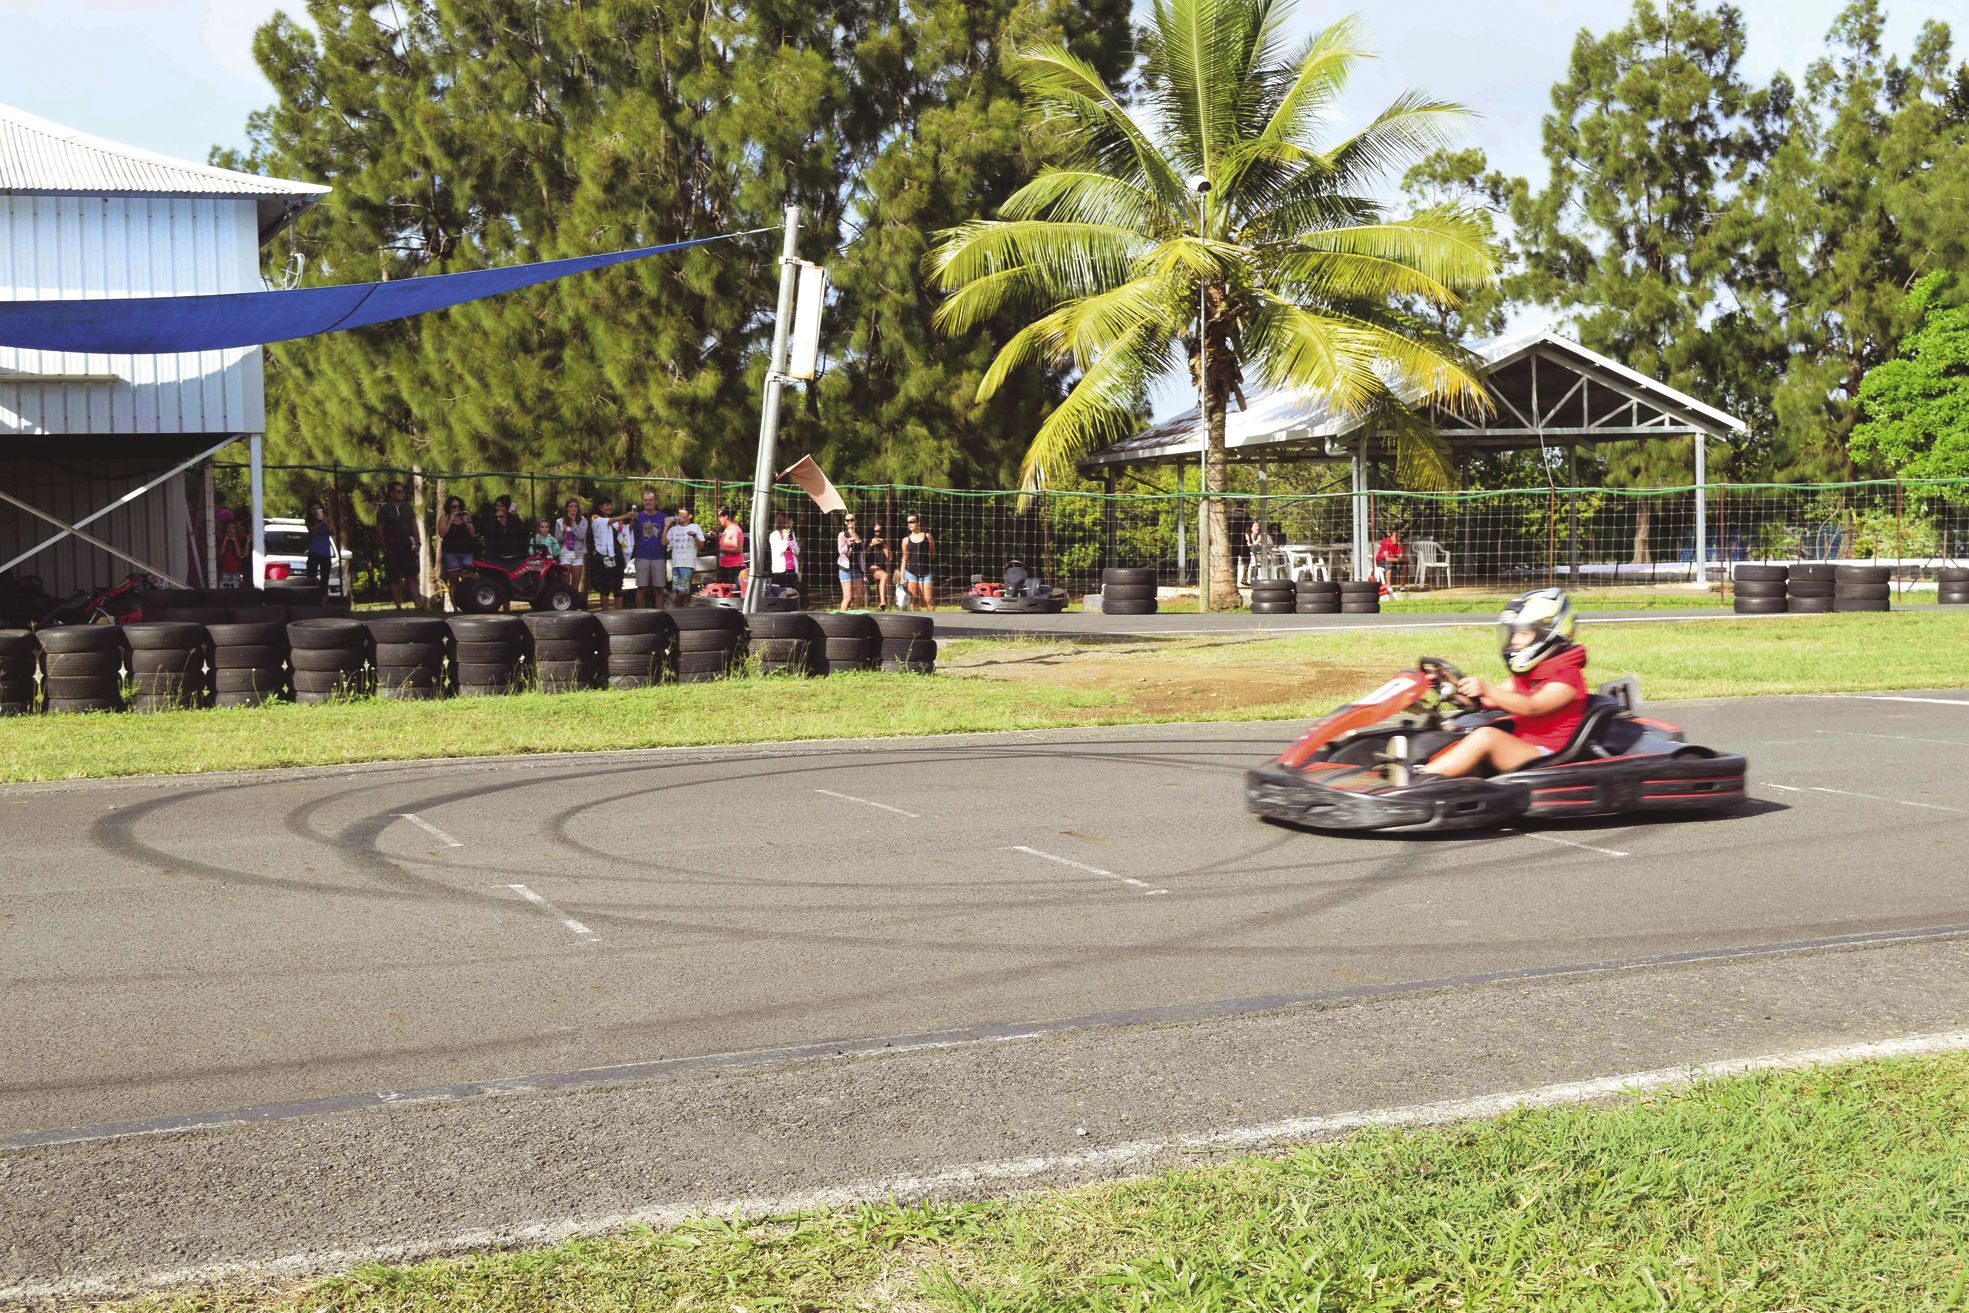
(1702, 514)
(1182, 530)
(211, 512)
(257, 476)
(1202, 186)
(762, 470)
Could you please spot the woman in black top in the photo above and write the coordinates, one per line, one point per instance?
(458, 539)
(876, 552)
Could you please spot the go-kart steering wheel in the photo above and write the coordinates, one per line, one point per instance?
(1446, 677)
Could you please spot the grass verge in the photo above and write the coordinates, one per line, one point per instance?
(1835, 1188)
(988, 684)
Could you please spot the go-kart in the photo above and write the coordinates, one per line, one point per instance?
(491, 581)
(1355, 769)
(1022, 597)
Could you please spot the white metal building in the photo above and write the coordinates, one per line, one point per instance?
(79, 434)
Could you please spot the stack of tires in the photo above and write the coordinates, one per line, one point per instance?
(330, 659)
(18, 652)
(1128, 591)
(410, 656)
(1952, 586)
(707, 642)
(909, 643)
(848, 641)
(567, 650)
(784, 643)
(1317, 597)
(486, 651)
(1760, 590)
(1360, 597)
(1808, 588)
(167, 663)
(636, 647)
(249, 657)
(1862, 588)
(1272, 596)
(82, 667)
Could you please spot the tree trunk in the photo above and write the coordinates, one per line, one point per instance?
(1643, 521)
(1216, 469)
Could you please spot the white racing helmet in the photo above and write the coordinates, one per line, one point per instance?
(1547, 613)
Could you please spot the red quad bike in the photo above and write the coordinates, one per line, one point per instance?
(1354, 769)
(540, 582)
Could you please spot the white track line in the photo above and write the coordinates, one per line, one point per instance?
(1148, 890)
(869, 802)
(1899, 802)
(1898, 738)
(1570, 843)
(556, 912)
(957, 1181)
(430, 829)
(1889, 697)
(1785, 788)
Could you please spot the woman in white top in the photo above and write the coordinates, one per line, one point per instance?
(572, 532)
(784, 548)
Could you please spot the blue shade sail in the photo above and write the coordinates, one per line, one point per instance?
(164, 325)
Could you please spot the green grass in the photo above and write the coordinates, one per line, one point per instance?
(1839, 1188)
(1015, 685)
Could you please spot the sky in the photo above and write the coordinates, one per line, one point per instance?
(177, 76)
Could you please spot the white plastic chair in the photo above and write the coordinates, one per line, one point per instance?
(1429, 555)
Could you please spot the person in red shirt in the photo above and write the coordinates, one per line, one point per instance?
(1546, 694)
(1389, 556)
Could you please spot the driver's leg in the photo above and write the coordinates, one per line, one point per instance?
(1489, 746)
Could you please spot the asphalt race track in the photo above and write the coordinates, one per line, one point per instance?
(442, 998)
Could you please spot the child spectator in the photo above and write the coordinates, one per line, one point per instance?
(686, 540)
(572, 530)
(542, 543)
(232, 551)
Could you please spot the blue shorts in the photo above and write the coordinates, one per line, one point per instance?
(916, 578)
(846, 576)
(455, 561)
(680, 578)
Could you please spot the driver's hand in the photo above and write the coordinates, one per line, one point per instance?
(1471, 687)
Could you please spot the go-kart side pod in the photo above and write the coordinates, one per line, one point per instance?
(1299, 797)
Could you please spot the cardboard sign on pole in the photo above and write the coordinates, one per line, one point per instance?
(804, 360)
(809, 476)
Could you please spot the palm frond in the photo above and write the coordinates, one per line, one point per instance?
(1064, 259)
(1400, 135)
(1435, 254)
(986, 296)
(1072, 88)
(1319, 75)
(1081, 331)
(1083, 196)
(1100, 408)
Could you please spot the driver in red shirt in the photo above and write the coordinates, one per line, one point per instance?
(1546, 694)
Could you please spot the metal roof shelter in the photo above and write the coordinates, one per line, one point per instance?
(1549, 392)
(94, 448)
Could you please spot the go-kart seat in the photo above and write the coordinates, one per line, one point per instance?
(1586, 740)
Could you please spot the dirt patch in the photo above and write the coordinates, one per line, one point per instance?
(1162, 680)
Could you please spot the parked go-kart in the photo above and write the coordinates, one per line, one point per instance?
(1353, 770)
(1019, 594)
(539, 581)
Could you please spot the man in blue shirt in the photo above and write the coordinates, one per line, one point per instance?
(652, 560)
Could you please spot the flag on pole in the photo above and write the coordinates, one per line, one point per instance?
(808, 475)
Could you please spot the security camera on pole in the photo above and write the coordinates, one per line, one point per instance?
(1201, 186)
(811, 283)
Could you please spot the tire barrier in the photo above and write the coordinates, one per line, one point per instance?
(330, 659)
(849, 641)
(1952, 586)
(18, 655)
(1128, 591)
(785, 643)
(909, 643)
(1862, 588)
(636, 647)
(410, 653)
(1317, 597)
(249, 660)
(82, 667)
(486, 654)
(167, 663)
(1273, 596)
(566, 650)
(1760, 590)
(707, 642)
(1360, 597)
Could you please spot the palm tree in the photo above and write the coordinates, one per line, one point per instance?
(1210, 198)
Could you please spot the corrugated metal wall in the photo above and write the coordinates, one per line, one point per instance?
(153, 526)
(67, 246)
